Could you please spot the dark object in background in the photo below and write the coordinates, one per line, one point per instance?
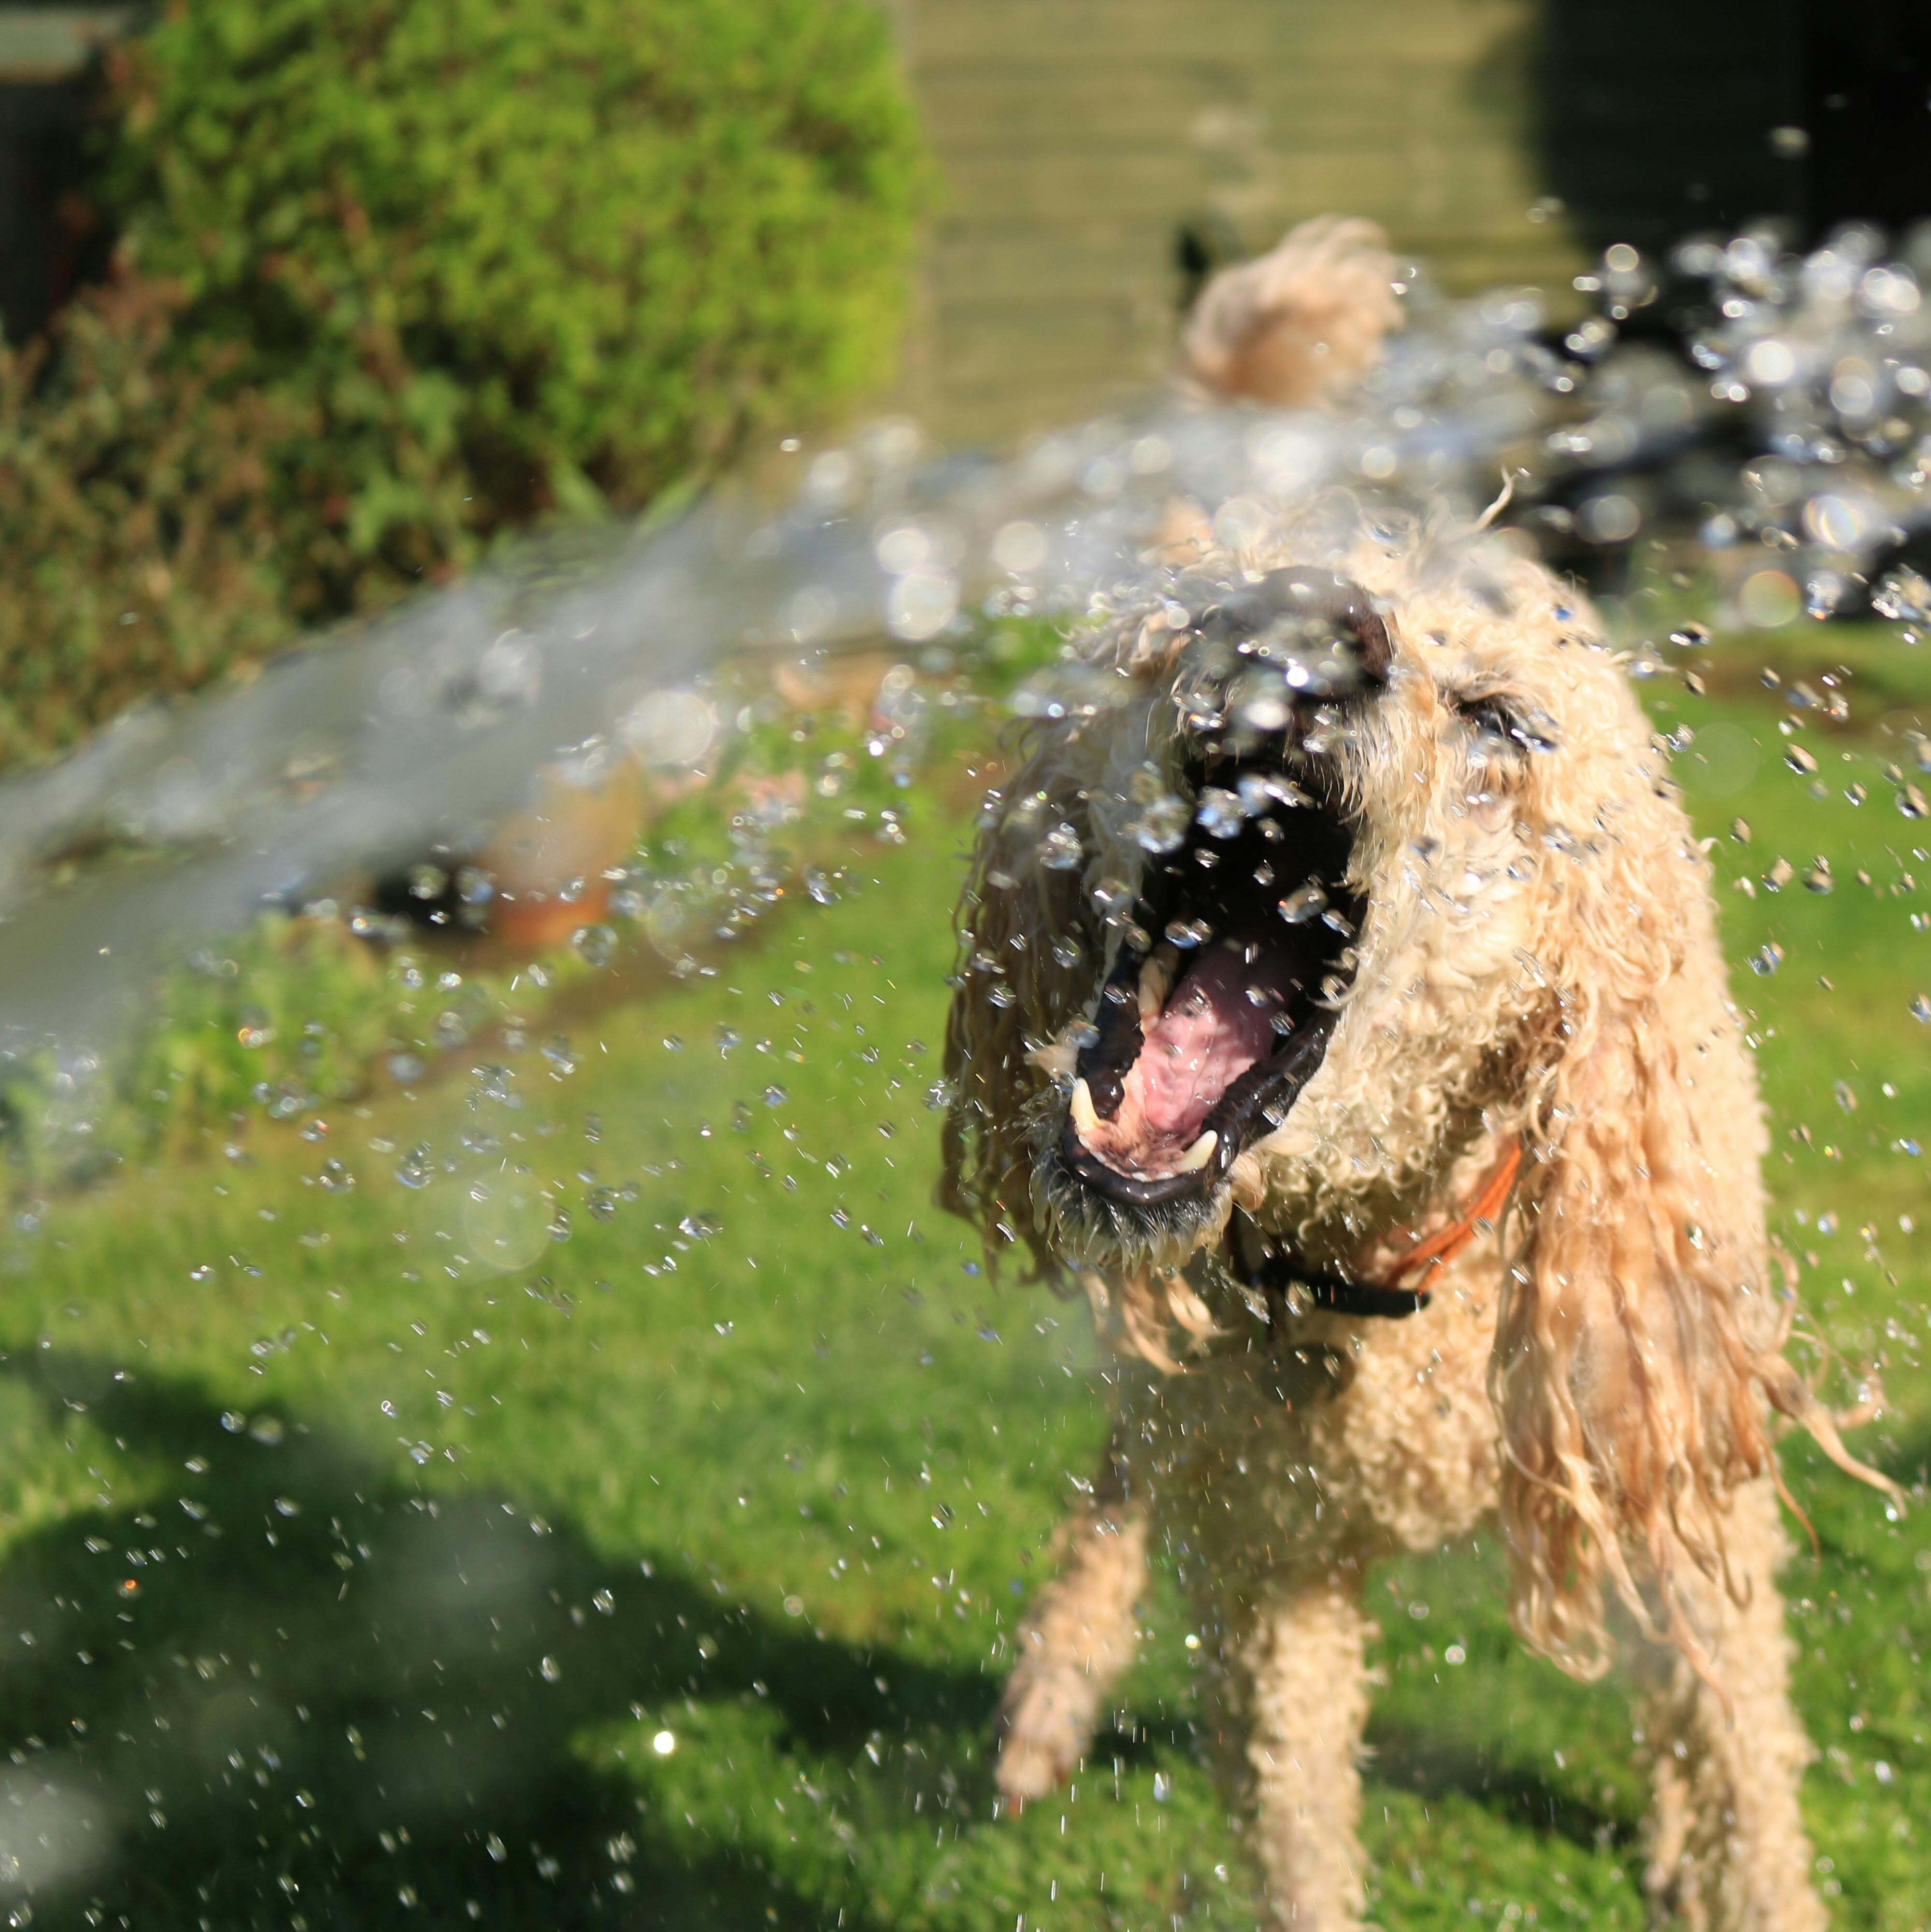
(426, 896)
(41, 168)
(49, 241)
(1868, 66)
(1204, 246)
(1655, 118)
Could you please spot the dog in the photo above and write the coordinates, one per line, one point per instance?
(1339, 1000)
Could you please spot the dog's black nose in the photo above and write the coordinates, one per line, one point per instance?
(1311, 621)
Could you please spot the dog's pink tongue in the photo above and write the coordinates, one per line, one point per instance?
(1211, 1033)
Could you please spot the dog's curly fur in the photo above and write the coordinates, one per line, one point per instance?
(1536, 969)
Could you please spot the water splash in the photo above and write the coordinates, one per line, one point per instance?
(1797, 428)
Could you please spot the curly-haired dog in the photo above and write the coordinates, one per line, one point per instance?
(1343, 1001)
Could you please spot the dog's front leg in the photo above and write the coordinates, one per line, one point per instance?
(1727, 1848)
(1075, 1642)
(1296, 1687)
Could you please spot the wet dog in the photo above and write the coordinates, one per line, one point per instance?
(1341, 1000)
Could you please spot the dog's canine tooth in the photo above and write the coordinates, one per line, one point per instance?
(1156, 981)
(1197, 1155)
(1085, 1115)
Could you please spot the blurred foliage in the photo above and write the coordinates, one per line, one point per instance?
(134, 521)
(289, 1015)
(495, 258)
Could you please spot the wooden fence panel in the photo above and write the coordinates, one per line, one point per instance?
(1076, 139)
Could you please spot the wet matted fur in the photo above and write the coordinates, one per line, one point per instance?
(1481, 932)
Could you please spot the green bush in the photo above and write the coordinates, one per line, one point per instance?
(504, 256)
(134, 521)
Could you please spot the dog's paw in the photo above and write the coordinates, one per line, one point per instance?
(1043, 1733)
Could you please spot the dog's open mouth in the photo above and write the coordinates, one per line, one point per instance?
(1222, 998)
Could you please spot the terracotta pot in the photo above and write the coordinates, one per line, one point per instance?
(548, 862)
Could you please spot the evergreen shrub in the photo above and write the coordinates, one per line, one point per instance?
(135, 522)
(497, 258)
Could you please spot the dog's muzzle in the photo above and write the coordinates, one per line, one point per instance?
(1223, 990)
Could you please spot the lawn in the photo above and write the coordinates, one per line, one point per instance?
(599, 1489)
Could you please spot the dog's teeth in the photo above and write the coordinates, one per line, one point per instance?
(1085, 1115)
(1154, 987)
(1197, 1155)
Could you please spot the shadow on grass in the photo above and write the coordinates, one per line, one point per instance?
(1430, 1768)
(1852, 1532)
(301, 1690)
(316, 1696)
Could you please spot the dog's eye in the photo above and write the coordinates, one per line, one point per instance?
(1499, 724)
(1488, 718)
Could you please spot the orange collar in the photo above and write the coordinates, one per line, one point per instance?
(1441, 1248)
(1280, 1270)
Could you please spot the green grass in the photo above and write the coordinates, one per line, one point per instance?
(356, 1542)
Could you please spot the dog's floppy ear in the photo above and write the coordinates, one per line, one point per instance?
(1639, 1334)
(1030, 943)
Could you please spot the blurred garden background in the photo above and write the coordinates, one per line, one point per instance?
(495, 1429)
(308, 306)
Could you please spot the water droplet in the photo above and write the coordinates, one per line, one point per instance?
(1221, 813)
(1303, 903)
(1767, 958)
(595, 945)
(1019, 548)
(1902, 595)
(1061, 850)
(415, 1169)
(921, 604)
(1160, 825)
